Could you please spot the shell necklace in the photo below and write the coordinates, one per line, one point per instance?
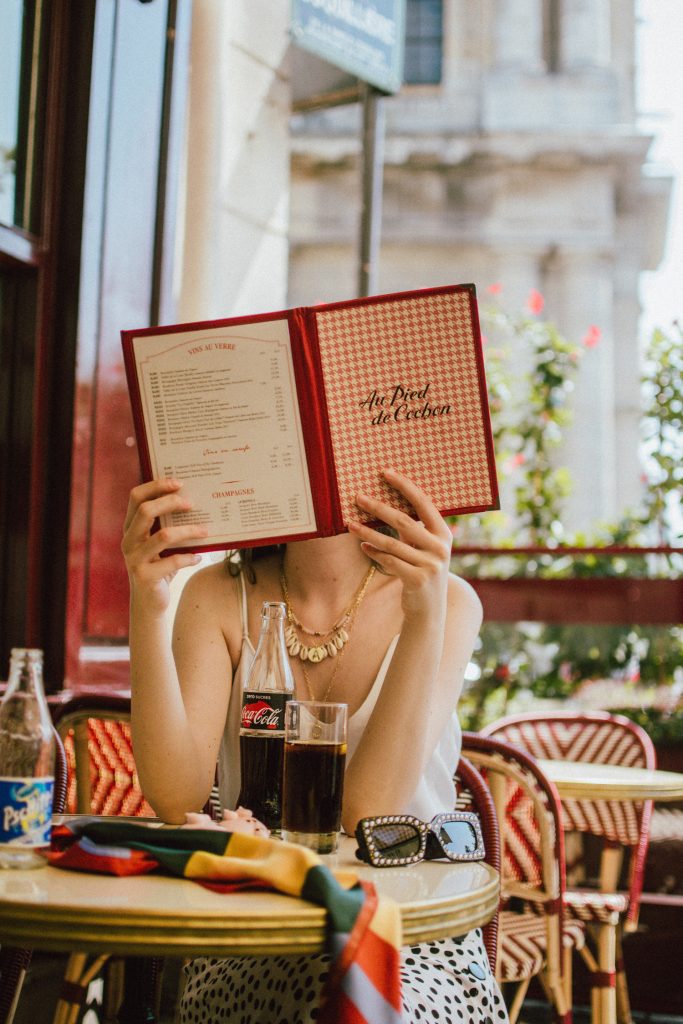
(331, 641)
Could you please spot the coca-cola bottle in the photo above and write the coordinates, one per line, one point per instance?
(268, 687)
(27, 763)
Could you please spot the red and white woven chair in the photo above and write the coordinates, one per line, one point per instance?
(535, 936)
(474, 795)
(102, 779)
(601, 738)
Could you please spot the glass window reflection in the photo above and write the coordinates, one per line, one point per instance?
(11, 21)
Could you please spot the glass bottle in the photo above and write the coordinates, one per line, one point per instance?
(268, 687)
(27, 763)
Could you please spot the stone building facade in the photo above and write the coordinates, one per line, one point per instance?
(523, 165)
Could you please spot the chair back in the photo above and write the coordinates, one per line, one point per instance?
(532, 847)
(474, 795)
(102, 777)
(597, 737)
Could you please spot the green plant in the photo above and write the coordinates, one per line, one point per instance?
(523, 663)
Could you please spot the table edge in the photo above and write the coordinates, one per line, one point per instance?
(38, 926)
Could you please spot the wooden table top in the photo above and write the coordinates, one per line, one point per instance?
(54, 909)
(588, 781)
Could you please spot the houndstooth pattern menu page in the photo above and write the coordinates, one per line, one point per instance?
(275, 422)
(405, 389)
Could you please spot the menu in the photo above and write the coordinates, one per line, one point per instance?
(275, 422)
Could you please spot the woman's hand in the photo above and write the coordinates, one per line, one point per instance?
(148, 572)
(419, 556)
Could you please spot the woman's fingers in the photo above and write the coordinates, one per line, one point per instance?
(147, 503)
(392, 546)
(146, 492)
(426, 510)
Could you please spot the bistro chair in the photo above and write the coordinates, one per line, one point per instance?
(535, 937)
(95, 729)
(474, 795)
(102, 779)
(14, 962)
(600, 738)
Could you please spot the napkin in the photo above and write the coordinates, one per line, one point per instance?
(364, 929)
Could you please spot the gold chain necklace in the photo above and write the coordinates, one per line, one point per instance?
(337, 665)
(332, 639)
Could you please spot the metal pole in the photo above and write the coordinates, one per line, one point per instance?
(372, 170)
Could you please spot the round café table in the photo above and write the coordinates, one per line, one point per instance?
(581, 780)
(56, 910)
(577, 780)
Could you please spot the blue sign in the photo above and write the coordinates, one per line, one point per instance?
(364, 37)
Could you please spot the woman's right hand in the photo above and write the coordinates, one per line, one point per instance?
(148, 572)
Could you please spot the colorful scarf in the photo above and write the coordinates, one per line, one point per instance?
(364, 930)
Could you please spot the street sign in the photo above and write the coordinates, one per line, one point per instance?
(363, 37)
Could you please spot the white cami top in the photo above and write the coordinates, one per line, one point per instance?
(435, 791)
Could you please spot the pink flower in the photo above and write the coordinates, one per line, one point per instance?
(518, 460)
(591, 337)
(484, 339)
(494, 289)
(535, 302)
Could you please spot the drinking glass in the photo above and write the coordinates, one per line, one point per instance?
(315, 757)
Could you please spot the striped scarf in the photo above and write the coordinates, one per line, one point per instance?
(364, 930)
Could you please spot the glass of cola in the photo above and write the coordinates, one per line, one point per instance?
(314, 761)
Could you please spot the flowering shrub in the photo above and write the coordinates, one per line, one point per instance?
(531, 372)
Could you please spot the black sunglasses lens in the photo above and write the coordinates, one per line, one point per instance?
(458, 837)
(396, 841)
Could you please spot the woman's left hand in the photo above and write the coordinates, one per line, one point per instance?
(419, 556)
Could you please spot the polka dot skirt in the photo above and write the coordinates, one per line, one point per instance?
(443, 982)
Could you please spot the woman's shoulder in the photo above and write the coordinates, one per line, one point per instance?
(462, 597)
(211, 588)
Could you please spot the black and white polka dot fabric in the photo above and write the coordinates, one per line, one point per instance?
(443, 982)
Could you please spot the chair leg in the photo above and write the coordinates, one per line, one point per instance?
(605, 980)
(14, 963)
(623, 1001)
(516, 1004)
(556, 995)
(568, 975)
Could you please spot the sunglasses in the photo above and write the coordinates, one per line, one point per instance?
(395, 839)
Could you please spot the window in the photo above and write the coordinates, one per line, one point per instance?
(424, 42)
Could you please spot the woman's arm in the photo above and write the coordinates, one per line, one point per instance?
(441, 620)
(180, 694)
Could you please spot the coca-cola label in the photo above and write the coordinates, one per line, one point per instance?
(263, 710)
(26, 811)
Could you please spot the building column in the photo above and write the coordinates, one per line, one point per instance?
(585, 35)
(236, 189)
(518, 35)
(581, 284)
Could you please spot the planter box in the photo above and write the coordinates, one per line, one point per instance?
(595, 600)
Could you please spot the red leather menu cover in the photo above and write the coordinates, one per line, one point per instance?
(275, 422)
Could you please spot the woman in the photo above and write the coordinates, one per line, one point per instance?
(410, 632)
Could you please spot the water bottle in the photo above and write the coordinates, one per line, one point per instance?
(27, 763)
(268, 687)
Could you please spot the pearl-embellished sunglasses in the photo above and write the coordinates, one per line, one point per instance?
(391, 840)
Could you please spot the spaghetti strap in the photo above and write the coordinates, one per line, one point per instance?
(244, 608)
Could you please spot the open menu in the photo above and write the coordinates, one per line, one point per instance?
(275, 422)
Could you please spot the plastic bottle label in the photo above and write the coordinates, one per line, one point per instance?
(26, 811)
(264, 710)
